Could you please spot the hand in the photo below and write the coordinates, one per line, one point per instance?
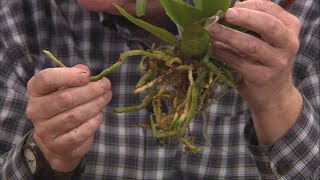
(264, 64)
(65, 109)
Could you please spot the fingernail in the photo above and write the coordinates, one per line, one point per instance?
(231, 13)
(104, 83)
(83, 76)
(215, 28)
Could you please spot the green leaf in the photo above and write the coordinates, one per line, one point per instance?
(181, 13)
(140, 7)
(211, 7)
(195, 41)
(162, 34)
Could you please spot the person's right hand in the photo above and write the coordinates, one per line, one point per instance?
(65, 109)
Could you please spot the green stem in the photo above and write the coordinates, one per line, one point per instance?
(144, 104)
(165, 134)
(123, 56)
(144, 78)
(149, 85)
(174, 120)
(55, 60)
(193, 148)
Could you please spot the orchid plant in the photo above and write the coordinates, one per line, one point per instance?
(183, 74)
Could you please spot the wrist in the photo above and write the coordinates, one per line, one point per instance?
(40, 167)
(63, 165)
(273, 120)
(56, 162)
(279, 100)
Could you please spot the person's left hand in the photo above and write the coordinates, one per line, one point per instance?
(265, 63)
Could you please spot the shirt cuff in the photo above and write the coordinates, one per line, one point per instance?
(13, 163)
(295, 155)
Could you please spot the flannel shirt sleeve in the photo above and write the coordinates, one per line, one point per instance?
(296, 154)
(14, 74)
(12, 164)
(13, 124)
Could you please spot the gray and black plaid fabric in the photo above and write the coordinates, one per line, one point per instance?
(122, 150)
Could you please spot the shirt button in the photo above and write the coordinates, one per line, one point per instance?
(284, 167)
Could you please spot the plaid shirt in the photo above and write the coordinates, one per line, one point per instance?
(122, 150)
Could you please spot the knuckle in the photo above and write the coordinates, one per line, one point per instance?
(75, 137)
(43, 78)
(74, 117)
(65, 99)
(273, 25)
(31, 112)
(29, 85)
(42, 132)
(261, 5)
(296, 22)
(294, 46)
(253, 45)
(292, 20)
(283, 64)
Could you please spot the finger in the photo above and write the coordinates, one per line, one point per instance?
(231, 57)
(60, 101)
(51, 79)
(72, 118)
(271, 29)
(273, 9)
(251, 71)
(73, 139)
(247, 44)
(83, 67)
(82, 149)
(73, 156)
